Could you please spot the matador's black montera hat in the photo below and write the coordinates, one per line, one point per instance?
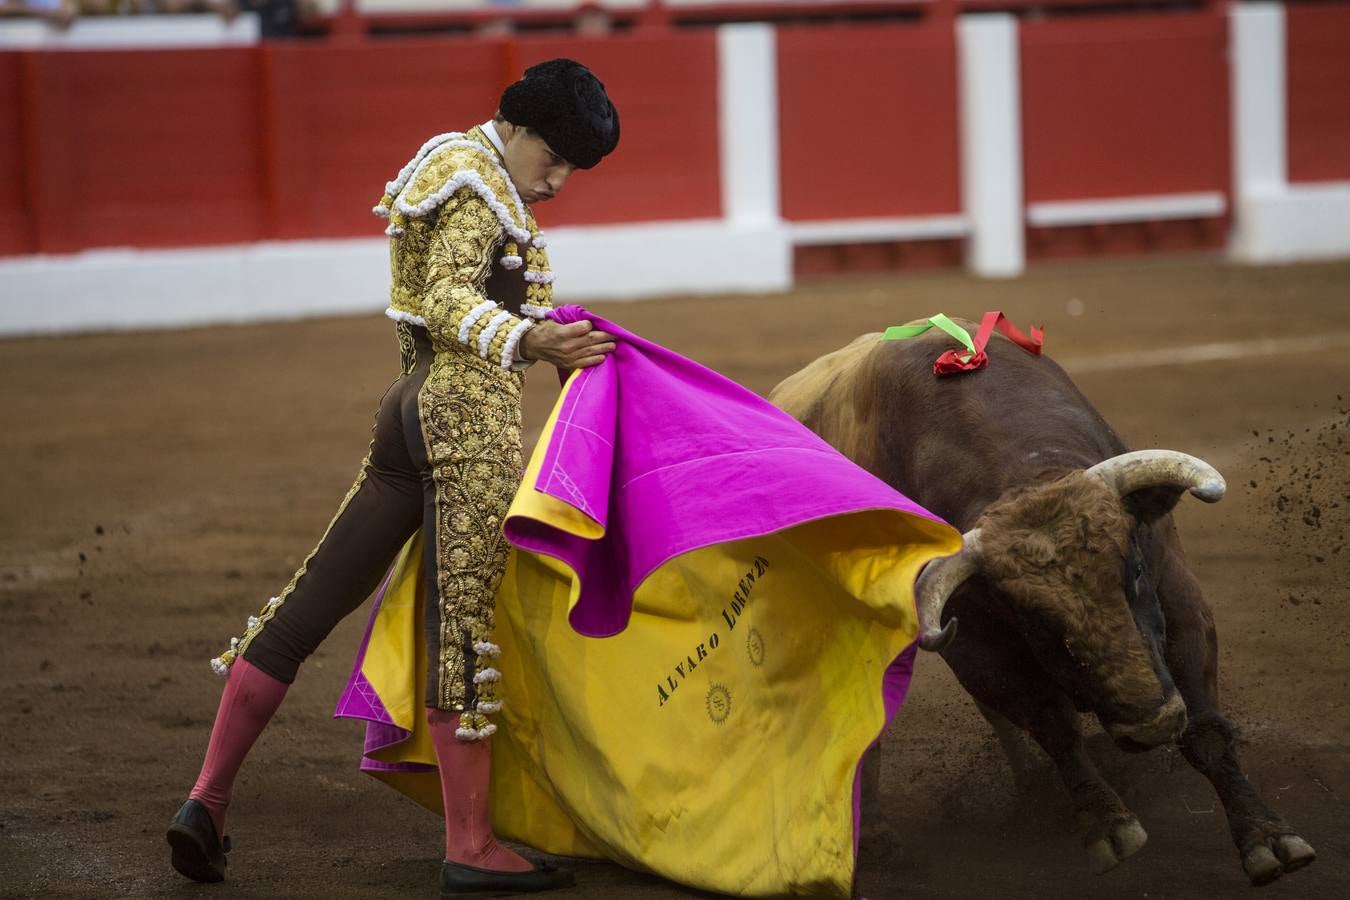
(566, 104)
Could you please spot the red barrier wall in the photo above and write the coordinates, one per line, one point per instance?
(339, 121)
(843, 152)
(667, 165)
(148, 149)
(15, 230)
(1318, 86)
(284, 141)
(295, 140)
(1124, 106)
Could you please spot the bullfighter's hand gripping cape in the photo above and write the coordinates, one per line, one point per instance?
(707, 618)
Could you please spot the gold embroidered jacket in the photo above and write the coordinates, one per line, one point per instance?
(458, 229)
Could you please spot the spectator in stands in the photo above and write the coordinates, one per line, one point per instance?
(227, 9)
(59, 13)
(62, 13)
(280, 18)
(90, 8)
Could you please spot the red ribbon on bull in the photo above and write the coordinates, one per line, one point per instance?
(953, 361)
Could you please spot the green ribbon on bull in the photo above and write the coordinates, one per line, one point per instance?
(901, 332)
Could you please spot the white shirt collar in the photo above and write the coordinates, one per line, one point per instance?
(490, 129)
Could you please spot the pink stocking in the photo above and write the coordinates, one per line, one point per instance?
(250, 698)
(466, 773)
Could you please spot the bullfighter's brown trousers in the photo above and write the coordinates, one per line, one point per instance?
(394, 494)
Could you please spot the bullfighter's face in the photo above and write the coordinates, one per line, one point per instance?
(537, 172)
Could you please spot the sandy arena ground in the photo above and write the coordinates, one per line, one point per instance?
(158, 487)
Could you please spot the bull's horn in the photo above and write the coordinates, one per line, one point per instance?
(1130, 472)
(938, 581)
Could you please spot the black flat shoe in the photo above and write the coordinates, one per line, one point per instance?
(197, 852)
(459, 880)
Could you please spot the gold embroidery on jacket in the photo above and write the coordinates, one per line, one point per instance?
(409, 249)
(458, 262)
(471, 426)
(536, 261)
(407, 348)
(469, 409)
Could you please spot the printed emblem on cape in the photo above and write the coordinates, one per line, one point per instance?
(754, 647)
(718, 703)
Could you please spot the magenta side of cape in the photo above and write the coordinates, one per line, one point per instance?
(894, 687)
(670, 457)
(360, 700)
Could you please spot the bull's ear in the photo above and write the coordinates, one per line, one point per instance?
(1149, 504)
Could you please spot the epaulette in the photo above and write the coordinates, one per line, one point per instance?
(444, 165)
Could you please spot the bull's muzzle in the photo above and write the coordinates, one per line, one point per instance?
(1163, 727)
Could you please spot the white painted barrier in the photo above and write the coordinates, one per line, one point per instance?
(991, 142)
(1274, 221)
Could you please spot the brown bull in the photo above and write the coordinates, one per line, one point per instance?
(1072, 592)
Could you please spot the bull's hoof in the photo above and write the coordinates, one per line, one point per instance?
(1285, 853)
(1294, 852)
(1262, 866)
(1121, 841)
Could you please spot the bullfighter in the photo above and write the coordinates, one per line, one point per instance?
(471, 285)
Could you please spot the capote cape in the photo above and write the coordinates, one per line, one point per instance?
(707, 618)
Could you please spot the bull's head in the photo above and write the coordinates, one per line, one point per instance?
(1067, 556)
